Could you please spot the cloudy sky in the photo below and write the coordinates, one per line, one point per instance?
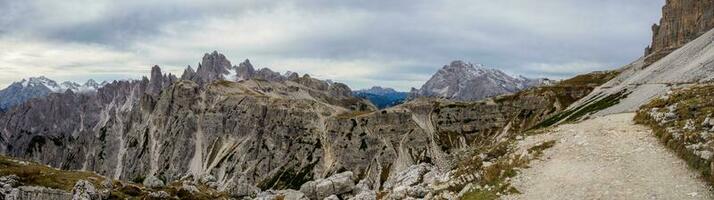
(396, 43)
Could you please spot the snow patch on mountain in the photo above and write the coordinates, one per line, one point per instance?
(41, 86)
(53, 86)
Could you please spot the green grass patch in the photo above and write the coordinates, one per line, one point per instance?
(35, 174)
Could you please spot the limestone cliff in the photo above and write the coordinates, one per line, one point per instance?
(682, 21)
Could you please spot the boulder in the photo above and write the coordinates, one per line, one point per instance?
(84, 190)
(332, 197)
(241, 189)
(334, 185)
(292, 195)
(409, 177)
(190, 188)
(207, 179)
(159, 195)
(153, 182)
(281, 194)
(10, 180)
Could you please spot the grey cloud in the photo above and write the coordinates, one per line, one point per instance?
(513, 35)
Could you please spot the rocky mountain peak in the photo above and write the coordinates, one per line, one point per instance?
(40, 82)
(92, 83)
(155, 81)
(466, 81)
(188, 73)
(245, 70)
(213, 66)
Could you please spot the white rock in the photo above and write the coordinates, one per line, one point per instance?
(84, 190)
(409, 177)
(240, 189)
(336, 184)
(366, 195)
(189, 187)
(153, 182)
(160, 195)
(207, 179)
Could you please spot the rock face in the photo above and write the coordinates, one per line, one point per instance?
(32, 192)
(465, 81)
(245, 70)
(682, 21)
(158, 80)
(10, 189)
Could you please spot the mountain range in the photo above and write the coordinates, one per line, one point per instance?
(458, 81)
(34, 87)
(246, 132)
(224, 131)
(382, 97)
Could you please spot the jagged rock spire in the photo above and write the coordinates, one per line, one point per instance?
(245, 70)
(158, 81)
(213, 66)
(188, 73)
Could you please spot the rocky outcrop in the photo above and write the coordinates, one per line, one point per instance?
(158, 81)
(465, 81)
(153, 182)
(10, 189)
(281, 194)
(245, 70)
(682, 21)
(84, 190)
(240, 189)
(334, 185)
(188, 73)
(33, 192)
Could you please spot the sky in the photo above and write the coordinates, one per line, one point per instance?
(398, 43)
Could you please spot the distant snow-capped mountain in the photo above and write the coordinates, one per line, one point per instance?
(465, 81)
(33, 87)
(382, 97)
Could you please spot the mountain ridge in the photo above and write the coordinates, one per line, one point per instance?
(41, 86)
(382, 97)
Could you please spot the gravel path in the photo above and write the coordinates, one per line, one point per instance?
(607, 158)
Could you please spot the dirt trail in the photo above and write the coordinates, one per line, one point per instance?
(607, 158)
